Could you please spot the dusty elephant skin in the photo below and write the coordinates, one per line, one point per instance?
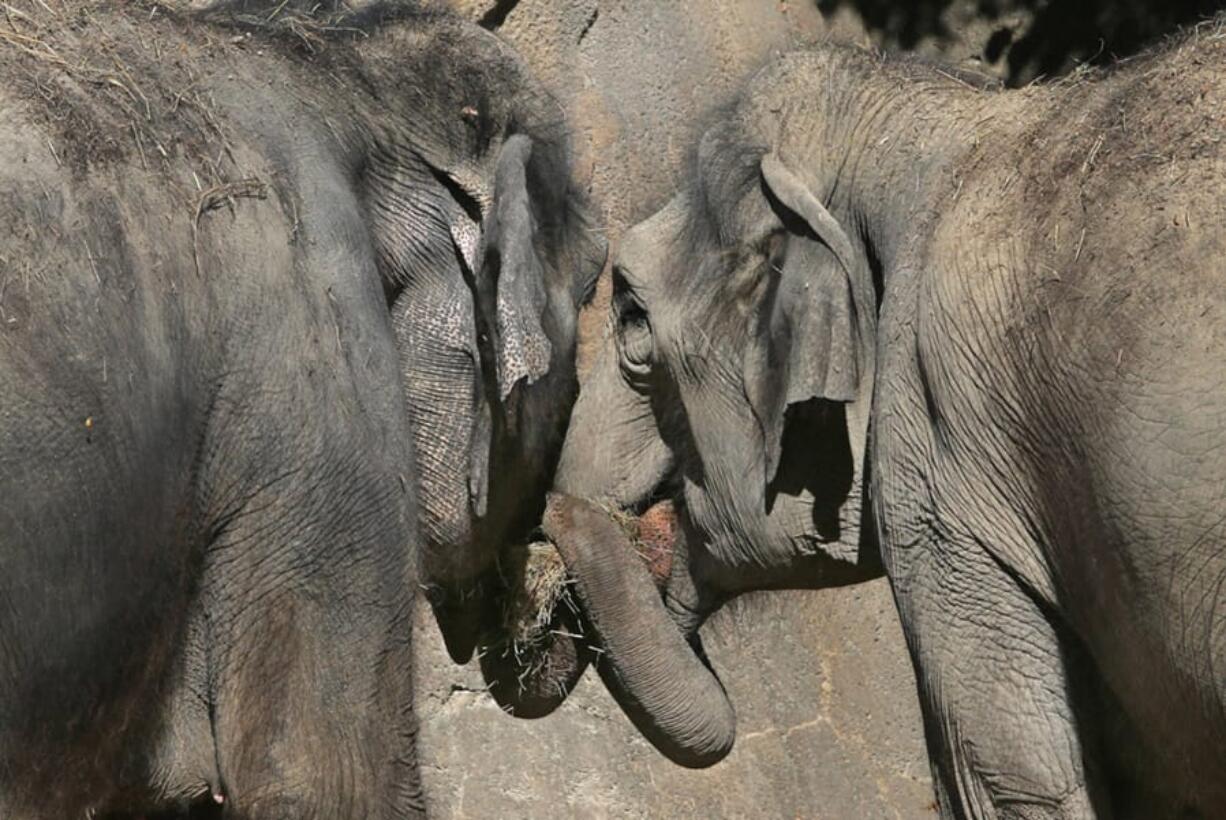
(264, 277)
(995, 315)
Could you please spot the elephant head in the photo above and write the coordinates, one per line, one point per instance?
(486, 248)
(735, 382)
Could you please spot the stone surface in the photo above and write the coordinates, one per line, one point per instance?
(828, 727)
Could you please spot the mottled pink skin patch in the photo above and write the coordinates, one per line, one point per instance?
(657, 537)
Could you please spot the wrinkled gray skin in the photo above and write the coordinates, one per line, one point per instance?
(209, 495)
(1005, 308)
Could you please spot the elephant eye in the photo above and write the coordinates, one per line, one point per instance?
(637, 345)
(635, 340)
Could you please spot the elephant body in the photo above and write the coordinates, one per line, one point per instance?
(994, 321)
(228, 247)
(1050, 375)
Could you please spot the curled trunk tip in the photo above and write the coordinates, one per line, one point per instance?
(664, 687)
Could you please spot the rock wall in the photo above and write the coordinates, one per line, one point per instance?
(827, 728)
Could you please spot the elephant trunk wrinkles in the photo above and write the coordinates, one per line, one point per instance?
(665, 689)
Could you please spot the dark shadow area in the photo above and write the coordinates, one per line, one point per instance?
(202, 809)
(815, 426)
(1027, 39)
(497, 15)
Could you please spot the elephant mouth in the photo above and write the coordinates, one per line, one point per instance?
(618, 570)
(654, 537)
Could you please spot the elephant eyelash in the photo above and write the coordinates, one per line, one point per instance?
(633, 313)
(625, 301)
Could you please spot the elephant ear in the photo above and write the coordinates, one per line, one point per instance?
(813, 340)
(512, 276)
(510, 296)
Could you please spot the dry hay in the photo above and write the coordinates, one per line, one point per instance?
(538, 603)
(109, 83)
(313, 23)
(540, 584)
(126, 83)
(535, 607)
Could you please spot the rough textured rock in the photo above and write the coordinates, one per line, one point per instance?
(828, 727)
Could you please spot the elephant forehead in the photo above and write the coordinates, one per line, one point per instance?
(640, 252)
(648, 248)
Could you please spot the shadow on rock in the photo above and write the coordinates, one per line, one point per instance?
(1027, 39)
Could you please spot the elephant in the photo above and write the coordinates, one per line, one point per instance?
(283, 287)
(899, 320)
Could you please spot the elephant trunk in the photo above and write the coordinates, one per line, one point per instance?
(664, 687)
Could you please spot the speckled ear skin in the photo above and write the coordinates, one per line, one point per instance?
(508, 301)
(512, 267)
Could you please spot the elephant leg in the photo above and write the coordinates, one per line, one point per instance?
(313, 716)
(996, 690)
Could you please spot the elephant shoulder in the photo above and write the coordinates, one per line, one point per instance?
(969, 258)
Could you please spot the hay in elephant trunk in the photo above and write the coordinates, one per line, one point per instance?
(542, 642)
(539, 607)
